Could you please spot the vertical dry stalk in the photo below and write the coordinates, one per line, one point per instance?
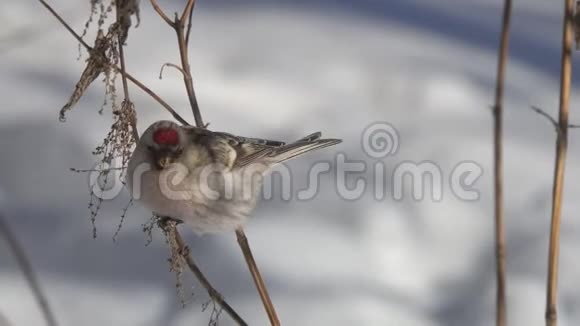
(170, 227)
(500, 250)
(178, 24)
(561, 149)
(127, 99)
(262, 290)
(183, 41)
(27, 271)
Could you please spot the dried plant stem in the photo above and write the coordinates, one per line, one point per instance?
(172, 65)
(188, 33)
(27, 271)
(187, 79)
(161, 13)
(146, 89)
(65, 24)
(561, 150)
(124, 73)
(127, 99)
(170, 227)
(183, 39)
(262, 290)
(500, 246)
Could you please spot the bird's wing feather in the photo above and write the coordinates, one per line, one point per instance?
(300, 147)
(241, 151)
(247, 149)
(249, 152)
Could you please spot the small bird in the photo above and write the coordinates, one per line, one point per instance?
(209, 180)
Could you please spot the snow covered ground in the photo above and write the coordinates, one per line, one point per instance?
(279, 70)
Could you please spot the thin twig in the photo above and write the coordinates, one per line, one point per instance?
(188, 33)
(182, 38)
(500, 246)
(65, 24)
(173, 66)
(561, 151)
(161, 13)
(97, 170)
(123, 74)
(27, 271)
(547, 116)
(183, 53)
(179, 26)
(131, 78)
(127, 100)
(146, 89)
(262, 290)
(186, 12)
(170, 227)
(552, 120)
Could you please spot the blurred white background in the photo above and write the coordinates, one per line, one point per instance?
(281, 69)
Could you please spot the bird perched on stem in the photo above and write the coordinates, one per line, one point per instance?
(208, 180)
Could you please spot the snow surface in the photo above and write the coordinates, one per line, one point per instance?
(279, 70)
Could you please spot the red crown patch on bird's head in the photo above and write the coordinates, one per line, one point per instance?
(166, 136)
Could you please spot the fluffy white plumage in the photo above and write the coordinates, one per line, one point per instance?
(209, 180)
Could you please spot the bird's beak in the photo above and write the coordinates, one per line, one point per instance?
(164, 161)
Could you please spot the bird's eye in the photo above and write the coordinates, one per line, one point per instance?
(150, 148)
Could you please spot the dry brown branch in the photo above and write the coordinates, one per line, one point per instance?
(127, 100)
(65, 24)
(262, 290)
(186, 12)
(137, 83)
(178, 245)
(182, 38)
(169, 64)
(561, 150)
(27, 271)
(97, 170)
(547, 116)
(146, 89)
(500, 247)
(552, 120)
(188, 33)
(161, 13)
(179, 26)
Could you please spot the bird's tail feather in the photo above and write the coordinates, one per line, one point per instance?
(304, 145)
(311, 137)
